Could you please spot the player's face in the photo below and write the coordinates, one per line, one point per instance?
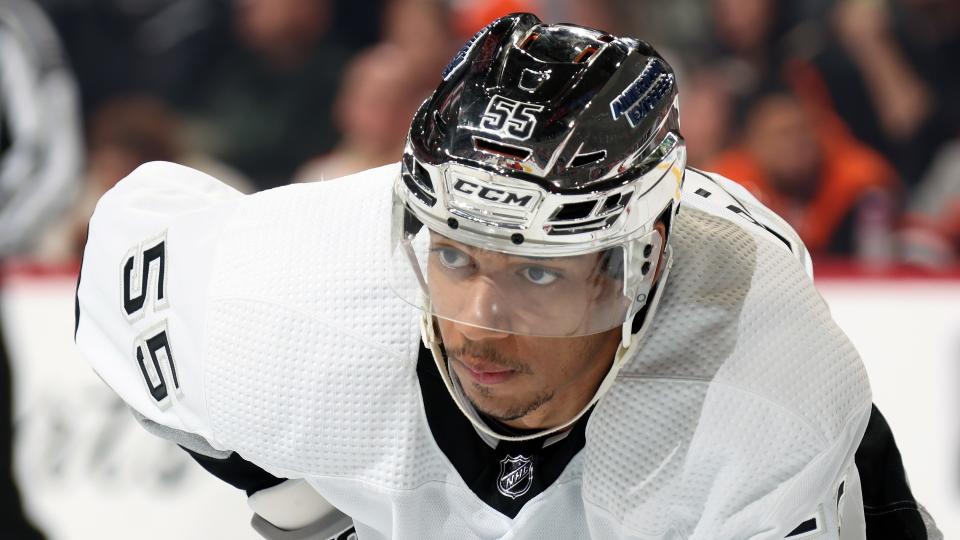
(557, 296)
(522, 380)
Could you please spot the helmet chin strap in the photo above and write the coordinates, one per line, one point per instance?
(628, 343)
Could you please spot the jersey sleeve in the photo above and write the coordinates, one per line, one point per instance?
(141, 297)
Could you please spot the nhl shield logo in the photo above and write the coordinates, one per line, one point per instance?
(516, 476)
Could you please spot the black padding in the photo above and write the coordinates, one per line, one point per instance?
(889, 507)
(237, 472)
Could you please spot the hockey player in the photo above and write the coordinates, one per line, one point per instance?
(538, 325)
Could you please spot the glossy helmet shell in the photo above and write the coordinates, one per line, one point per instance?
(546, 140)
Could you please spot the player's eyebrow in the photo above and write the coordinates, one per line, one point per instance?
(473, 251)
(565, 264)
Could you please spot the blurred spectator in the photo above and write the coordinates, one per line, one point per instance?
(680, 26)
(901, 100)
(593, 14)
(40, 136)
(157, 47)
(40, 155)
(750, 37)
(837, 193)
(124, 133)
(745, 28)
(422, 29)
(266, 108)
(931, 234)
(378, 95)
(749, 44)
(469, 16)
(705, 115)
(892, 76)
(358, 24)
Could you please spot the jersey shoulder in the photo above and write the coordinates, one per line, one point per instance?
(301, 297)
(722, 197)
(750, 398)
(779, 338)
(238, 317)
(741, 299)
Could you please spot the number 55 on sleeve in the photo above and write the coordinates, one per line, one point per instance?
(140, 297)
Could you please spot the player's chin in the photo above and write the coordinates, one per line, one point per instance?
(498, 409)
(502, 403)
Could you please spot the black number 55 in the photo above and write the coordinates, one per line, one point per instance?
(144, 292)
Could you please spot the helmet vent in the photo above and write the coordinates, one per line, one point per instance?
(612, 202)
(417, 180)
(422, 177)
(615, 204)
(579, 210)
(418, 191)
(573, 228)
(587, 158)
(581, 226)
(492, 147)
(585, 55)
(527, 41)
(606, 38)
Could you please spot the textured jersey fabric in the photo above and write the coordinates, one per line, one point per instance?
(736, 418)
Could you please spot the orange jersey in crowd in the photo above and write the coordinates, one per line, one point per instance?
(849, 170)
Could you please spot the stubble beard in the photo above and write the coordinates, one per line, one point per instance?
(511, 412)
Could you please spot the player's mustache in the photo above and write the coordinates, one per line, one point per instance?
(489, 354)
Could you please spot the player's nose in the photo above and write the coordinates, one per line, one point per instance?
(483, 314)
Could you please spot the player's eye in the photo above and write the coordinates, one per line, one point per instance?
(451, 257)
(539, 275)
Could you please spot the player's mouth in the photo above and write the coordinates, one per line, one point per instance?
(484, 372)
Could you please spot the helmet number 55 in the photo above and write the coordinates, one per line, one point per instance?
(510, 119)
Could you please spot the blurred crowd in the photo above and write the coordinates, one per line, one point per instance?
(841, 115)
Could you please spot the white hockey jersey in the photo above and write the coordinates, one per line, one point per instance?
(264, 324)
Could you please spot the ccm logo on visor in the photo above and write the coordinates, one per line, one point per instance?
(489, 194)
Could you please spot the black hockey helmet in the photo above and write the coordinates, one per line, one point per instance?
(569, 108)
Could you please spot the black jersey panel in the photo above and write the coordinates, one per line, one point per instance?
(889, 507)
(505, 477)
(237, 472)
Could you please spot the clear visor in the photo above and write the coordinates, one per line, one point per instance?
(535, 296)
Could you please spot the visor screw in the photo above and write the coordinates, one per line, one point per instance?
(647, 250)
(645, 268)
(516, 238)
(453, 223)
